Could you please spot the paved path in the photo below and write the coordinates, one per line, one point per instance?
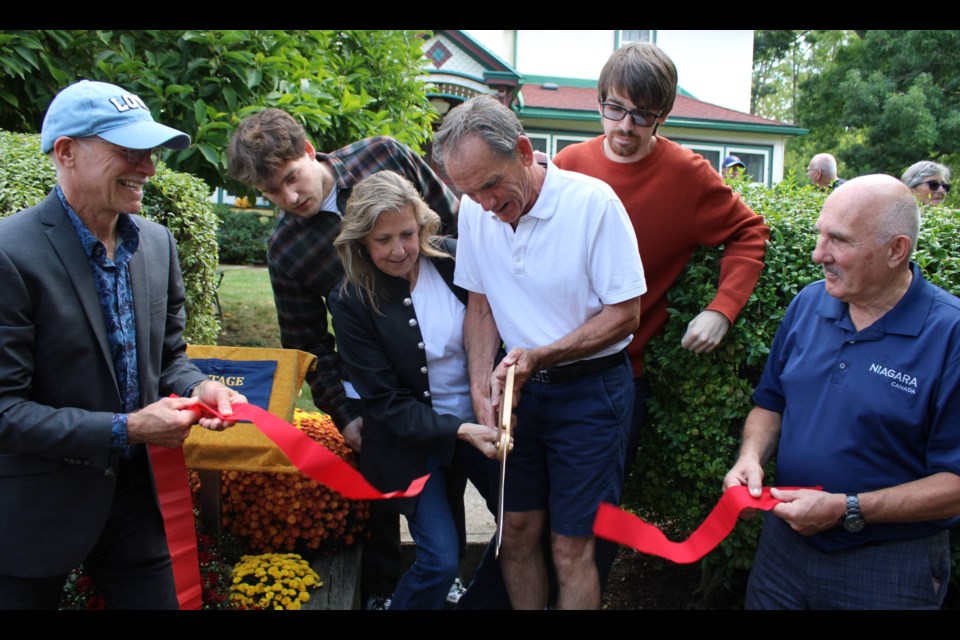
(480, 522)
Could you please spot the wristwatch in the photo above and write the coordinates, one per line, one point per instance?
(853, 519)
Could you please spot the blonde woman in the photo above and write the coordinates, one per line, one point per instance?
(398, 320)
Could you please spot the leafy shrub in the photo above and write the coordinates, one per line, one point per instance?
(698, 402)
(176, 200)
(243, 237)
(181, 203)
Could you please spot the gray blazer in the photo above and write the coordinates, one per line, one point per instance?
(57, 385)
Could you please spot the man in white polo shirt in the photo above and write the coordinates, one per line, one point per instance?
(551, 263)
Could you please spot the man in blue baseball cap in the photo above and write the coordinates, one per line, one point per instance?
(91, 328)
(732, 167)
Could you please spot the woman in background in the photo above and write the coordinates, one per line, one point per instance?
(930, 181)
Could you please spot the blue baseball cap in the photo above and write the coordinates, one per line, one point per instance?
(88, 108)
(732, 161)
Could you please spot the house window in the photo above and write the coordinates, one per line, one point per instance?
(552, 143)
(540, 142)
(559, 142)
(756, 159)
(634, 35)
(714, 154)
(757, 162)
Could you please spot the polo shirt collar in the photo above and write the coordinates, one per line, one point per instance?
(906, 317)
(549, 199)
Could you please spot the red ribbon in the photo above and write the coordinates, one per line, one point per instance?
(310, 457)
(176, 507)
(616, 525)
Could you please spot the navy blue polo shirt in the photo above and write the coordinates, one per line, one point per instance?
(870, 409)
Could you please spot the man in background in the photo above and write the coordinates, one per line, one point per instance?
(822, 172)
(732, 167)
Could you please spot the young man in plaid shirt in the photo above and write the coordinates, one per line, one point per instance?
(270, 151)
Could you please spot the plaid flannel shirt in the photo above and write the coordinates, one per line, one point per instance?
(304, 266)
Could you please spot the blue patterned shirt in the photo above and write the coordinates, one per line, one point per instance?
(112, 280)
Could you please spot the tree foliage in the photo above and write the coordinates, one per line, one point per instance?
(885, 101)
(782, 60)
(342, 85)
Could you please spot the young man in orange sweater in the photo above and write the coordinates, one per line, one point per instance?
(677, 202)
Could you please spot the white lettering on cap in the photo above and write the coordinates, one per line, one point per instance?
(130, 101)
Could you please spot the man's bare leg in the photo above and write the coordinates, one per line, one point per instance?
(521, 559)
(576, 572)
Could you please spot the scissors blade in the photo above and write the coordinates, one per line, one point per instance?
(503, 449)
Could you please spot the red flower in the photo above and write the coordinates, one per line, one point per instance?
(84, 584)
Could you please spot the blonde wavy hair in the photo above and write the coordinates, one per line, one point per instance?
(380, 192)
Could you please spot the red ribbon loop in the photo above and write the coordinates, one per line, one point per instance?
(616, 525)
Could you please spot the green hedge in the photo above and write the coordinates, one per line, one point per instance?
(243, 236)
(698, 402)
(177, 200)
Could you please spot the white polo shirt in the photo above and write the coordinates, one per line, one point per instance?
(572, 253)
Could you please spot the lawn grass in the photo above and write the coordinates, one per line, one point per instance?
(250, 316)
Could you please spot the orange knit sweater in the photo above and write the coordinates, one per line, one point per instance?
(678, 202)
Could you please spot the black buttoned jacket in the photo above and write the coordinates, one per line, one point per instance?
(386, 360)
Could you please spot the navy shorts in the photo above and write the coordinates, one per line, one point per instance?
(569, 447)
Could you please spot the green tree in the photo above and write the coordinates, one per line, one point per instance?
(341, 85)
(782, 60)
(771, 47)
(886, 100)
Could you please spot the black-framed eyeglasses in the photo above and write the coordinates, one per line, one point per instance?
(934, 185)
(617, 113)
(133, 156)
(136, 156)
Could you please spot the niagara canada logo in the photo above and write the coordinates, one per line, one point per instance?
(898, 379)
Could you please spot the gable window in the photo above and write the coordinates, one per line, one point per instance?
(635, 35)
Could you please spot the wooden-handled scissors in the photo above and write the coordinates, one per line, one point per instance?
(504, 446)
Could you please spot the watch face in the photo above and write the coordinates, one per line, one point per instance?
(853, 524)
